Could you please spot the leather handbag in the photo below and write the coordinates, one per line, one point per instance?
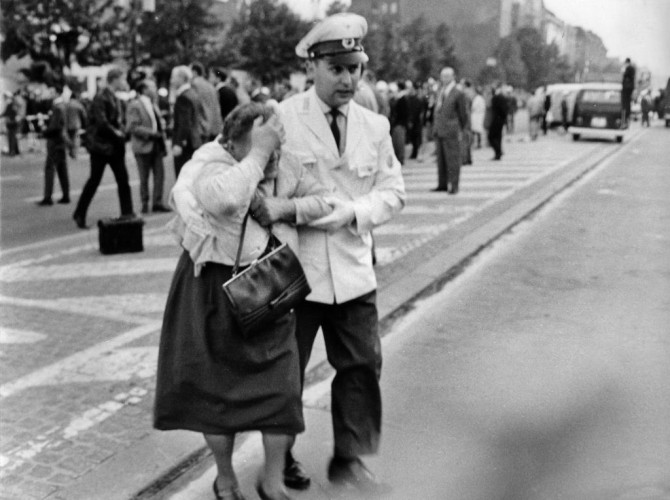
(267, 289)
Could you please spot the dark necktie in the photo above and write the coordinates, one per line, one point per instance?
(334, 112)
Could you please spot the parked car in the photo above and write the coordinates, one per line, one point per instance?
(598, 113)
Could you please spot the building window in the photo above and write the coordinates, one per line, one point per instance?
(385, 8)
(394, 7)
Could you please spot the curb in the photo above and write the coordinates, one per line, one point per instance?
(154, 462)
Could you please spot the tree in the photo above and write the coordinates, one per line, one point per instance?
(336, 7)
(444, 49)
(54, 30)
(262, 40)
(179, 31)
(384, 46)
(419, 36)
(535, 55)
(514, 70)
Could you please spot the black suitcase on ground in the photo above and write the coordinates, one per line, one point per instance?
(120, 235)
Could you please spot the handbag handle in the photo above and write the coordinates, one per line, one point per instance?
(236, 267)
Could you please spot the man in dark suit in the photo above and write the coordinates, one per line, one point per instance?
(106, 142)
(227, 95)
(450, 121)
(148, 142)
(210, 100)
(187, 129)
(627, 87)
(498, 120)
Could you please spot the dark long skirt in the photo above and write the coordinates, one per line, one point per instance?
(209, 378)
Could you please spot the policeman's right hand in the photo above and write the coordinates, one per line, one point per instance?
(267, 137)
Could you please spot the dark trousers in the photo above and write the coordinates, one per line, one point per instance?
(399, 138)
(180, 161)
(415, 137)
(151, 164)
(56, 164)
(626, 99)
(353, 346)
(13, 139)
(117, 163)
(495, 138)
(448, 162)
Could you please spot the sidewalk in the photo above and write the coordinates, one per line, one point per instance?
(77, 397)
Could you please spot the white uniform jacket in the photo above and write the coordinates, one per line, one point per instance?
(338, 265)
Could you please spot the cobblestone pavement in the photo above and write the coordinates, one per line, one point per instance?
(79, 330)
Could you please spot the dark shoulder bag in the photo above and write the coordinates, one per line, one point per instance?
(267, 289)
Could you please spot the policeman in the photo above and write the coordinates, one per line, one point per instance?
(348, 148)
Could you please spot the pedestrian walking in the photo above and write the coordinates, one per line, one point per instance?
(627, 88)
(399, 122)
(645, 107)
(466, 140)
(76, 119)
(12, 122)
(449, 123)
(535, 107)
(415, 112)
(564, 111)
(106, 142)
(211, 379)
(147, 135)
(546, 115)
(349, 150)
(58, 142)
(477, 117)
(498, 120)
(226, 93)
(210, 101)
(188, 127)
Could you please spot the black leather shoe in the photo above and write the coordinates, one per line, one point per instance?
(295, 476)
(453, 190)
(439, 189)
(234, 494)
(160, 208)
(45, 203)
(352, 473)
(80, 221)
(64, 200)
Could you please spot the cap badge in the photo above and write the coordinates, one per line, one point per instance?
(348, 43)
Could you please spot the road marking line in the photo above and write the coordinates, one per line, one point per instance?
(77, 192)
(15, 336)
(13, 274)
(112, 307)
(11, 178)
(71, 363)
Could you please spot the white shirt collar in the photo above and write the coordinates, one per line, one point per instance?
(183, 88)
(344, 109)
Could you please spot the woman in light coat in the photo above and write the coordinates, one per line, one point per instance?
(477, 116)
(210, 378)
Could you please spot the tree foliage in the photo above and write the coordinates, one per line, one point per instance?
(513, 68)
(262, 40)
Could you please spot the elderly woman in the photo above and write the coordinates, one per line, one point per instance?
(210, 379)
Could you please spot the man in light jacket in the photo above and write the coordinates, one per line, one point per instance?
(348, 148)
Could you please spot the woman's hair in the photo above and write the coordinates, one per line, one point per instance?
(241, 119)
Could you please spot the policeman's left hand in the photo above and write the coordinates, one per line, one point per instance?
(342, 215)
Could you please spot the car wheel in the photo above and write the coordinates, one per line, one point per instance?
(619, 138)
(575, 137)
